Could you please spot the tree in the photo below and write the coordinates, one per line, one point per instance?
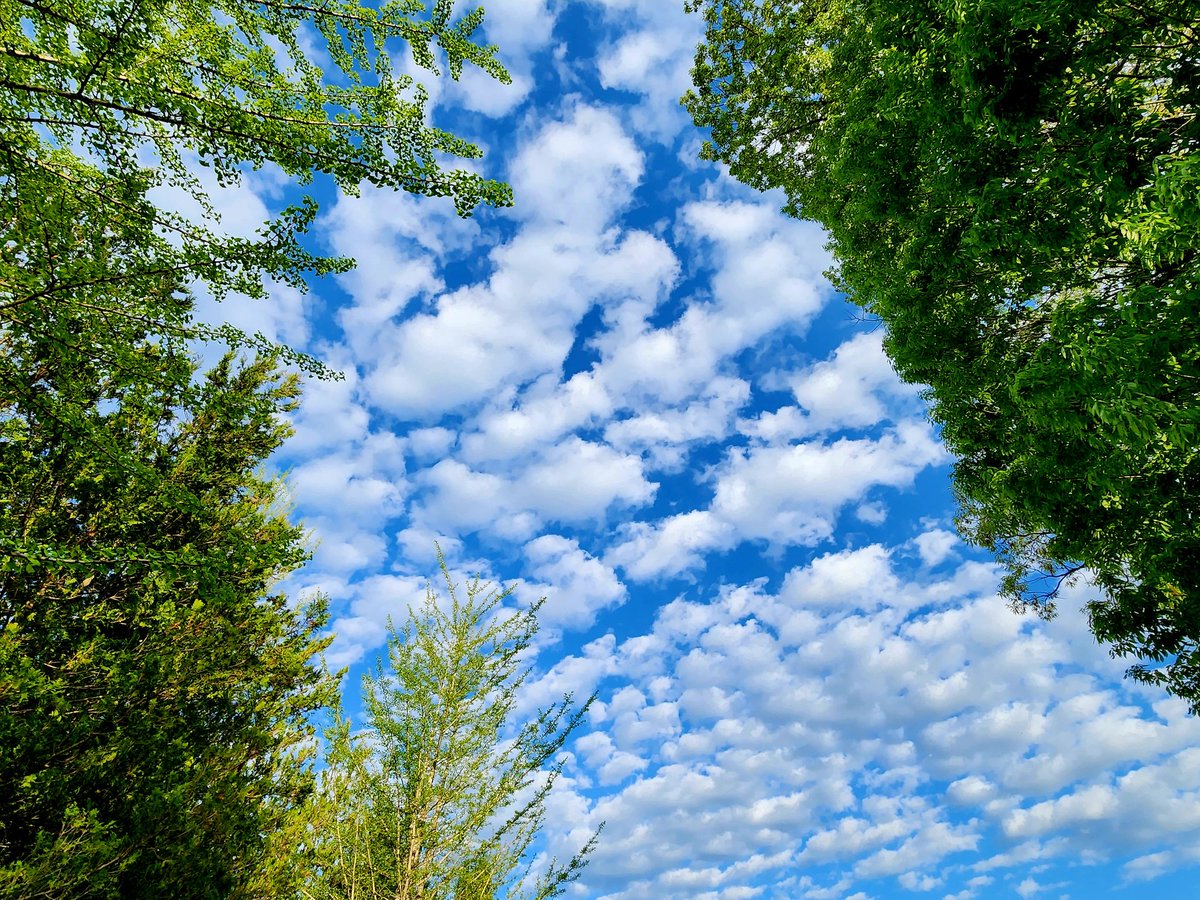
(156, 691)
(444, 794)
(1013, 188)
(101, 102)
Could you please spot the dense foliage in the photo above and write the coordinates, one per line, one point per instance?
(155, 689)
(1013, 188)
(443, 793)
(155, 692)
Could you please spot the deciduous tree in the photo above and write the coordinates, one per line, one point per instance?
(1013, 188)
(102, 101)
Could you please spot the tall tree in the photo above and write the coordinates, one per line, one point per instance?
(443, 794)
(1013, 188)
(154, 688)
(155, 691)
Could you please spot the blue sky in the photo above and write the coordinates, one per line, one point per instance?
(636, 393)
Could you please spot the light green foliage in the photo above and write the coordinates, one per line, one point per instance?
(308, 87)
(155, 692)
(443, 794)
(1012, 187)
(101, 101)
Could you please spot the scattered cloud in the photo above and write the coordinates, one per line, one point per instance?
(637, 395)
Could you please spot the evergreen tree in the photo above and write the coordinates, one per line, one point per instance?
(443, 795)
(155, 691)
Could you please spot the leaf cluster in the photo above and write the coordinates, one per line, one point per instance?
(1012, 187)
(102, 102)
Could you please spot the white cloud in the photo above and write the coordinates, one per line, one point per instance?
(578, 480)
(1028, 887)
(364, 482)
(519, 28)
(661, 434)
(792, 494)
(398, 241)
(376, 599)
(818, 753)
(331, 414)
(768, 278)
(653, 59)
(578, 172)
(573, 481)
(847, 579)
(548, 410)
(936, 546)
(470, 343)
(672, 545)
(874, 513)
(784, 495)
(577, 585)
(856, 388)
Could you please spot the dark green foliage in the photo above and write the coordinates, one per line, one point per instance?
(1012, 187)
(154, 690)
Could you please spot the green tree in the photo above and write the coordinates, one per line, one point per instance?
(443, 795)
(155, 690)
(101, 102)
(1013, 188)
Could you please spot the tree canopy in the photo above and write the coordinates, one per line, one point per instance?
(100, 102)
(1013, 188)
(443, 793)
(156, 691)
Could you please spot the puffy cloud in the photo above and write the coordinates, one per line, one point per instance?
(520, 28)
(856, 388)
(651, 59)
(791, 727)
(548, 410)
(578, 480)
(364, 625)
(664, 434)
(573, 481)
(671, 545)
(331, 414)
(767, 278)
(936, 546)
(790, 495)
(364, 482)
(576, 584)
(428, 349)
(578, 172)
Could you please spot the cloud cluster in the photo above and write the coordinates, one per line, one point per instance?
(870, 724)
